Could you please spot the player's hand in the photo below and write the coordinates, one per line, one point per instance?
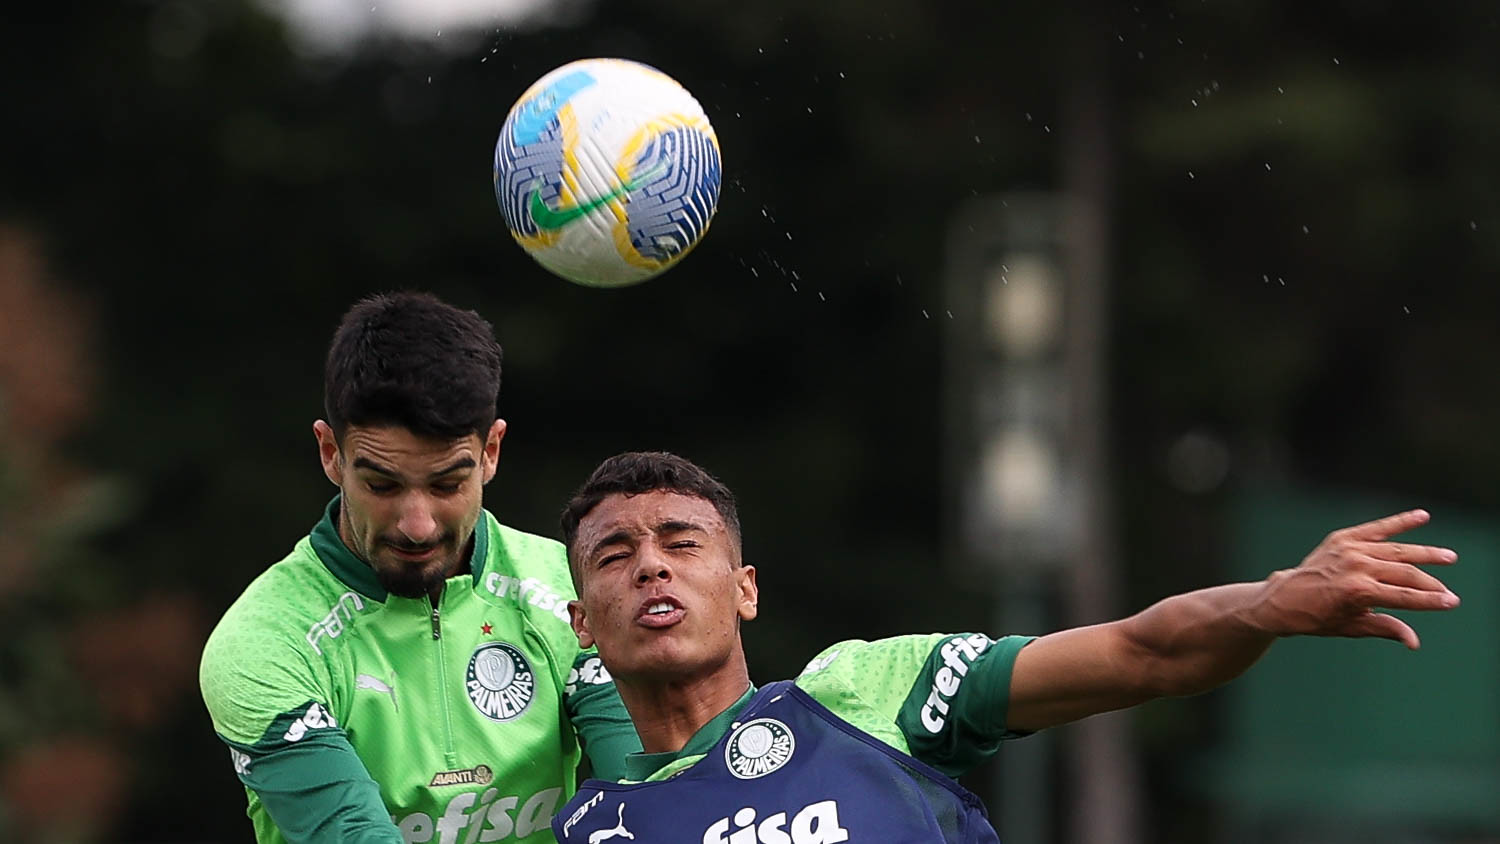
(1353, 571)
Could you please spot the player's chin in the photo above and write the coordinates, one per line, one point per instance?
(662, 659)
(411, 580)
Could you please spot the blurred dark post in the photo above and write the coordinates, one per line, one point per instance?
(1103, 796)
(1013, 517)
(1026, 470)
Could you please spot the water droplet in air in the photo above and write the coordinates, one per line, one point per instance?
(924, 314)
(1190, 175)
(1194, 102)
(821, 297)
(1473, 226)
(1268, 166)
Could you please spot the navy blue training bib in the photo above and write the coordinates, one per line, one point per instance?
(789, 771)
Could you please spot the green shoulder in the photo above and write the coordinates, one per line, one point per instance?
(866, 683)
(941, 698)
(267, 655)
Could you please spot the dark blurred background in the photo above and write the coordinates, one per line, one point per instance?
(1013, 316)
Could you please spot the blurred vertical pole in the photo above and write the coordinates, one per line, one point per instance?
(1103, 797)
(1011, 512)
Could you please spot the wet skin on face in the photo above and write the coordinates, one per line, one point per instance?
(661, 586)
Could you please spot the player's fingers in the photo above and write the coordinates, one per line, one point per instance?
(1388, 526)
(1405, 552)
(1406, 598)
(1383, 626)
(1401, 574)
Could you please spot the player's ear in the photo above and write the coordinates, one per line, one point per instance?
(328, 452)
(579, 620)
(490, 453)
(749, 594)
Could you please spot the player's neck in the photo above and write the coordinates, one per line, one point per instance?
(668, 712)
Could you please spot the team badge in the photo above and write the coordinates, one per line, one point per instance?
(499, 681)
(758, 747)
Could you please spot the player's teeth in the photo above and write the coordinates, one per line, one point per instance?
(659, 608)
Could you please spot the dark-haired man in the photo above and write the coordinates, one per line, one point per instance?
(407, 672)
(862, 745)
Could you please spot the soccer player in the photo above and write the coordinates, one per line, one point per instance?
(407, 673)
(862, 744)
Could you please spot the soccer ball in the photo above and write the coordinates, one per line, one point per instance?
(607, 172)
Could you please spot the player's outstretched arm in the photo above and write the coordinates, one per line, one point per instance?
(1193, 642)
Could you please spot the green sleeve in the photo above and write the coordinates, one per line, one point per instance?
(941, 698)
(274, 707)
(312, 784)
(604, 727)
(954, 714)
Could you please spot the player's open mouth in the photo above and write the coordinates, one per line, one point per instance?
(663, 611)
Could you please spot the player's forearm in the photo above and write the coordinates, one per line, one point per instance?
(1194, 642)
(1182, 645)
(317, 791)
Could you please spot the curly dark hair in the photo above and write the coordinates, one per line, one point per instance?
(410, 359)
(635, 472)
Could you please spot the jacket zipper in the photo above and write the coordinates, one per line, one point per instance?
(442, 684)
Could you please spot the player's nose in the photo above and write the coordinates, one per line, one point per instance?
(651, 565)
(416, 521)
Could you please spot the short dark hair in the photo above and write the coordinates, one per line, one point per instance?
(635, 472)
(411, 359)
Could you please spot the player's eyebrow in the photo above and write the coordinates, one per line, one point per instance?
(460, 463)
(679, 526)
(367, 463)
(621, 535)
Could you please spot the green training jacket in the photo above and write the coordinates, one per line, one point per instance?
(353, 715)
